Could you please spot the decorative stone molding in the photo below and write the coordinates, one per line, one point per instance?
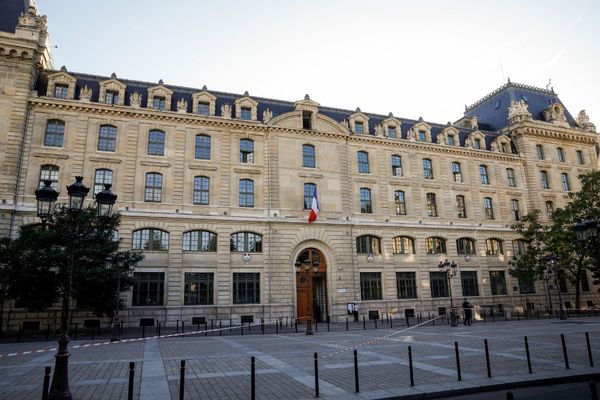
(502, 144)
(204, 97)
(246, 102)
(226, 111)
(115, 86)
(472, 137)
(61, 78)
(420, 126)
(85, 94)
(555, 114)
(182, 106)
(267, 116)
(159, 91)
(450, 130)
(584, 122)
(391, 122)
(359, 117)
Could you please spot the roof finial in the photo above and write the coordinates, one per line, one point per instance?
(306, 97)
(63, 68)
(160, 81)
(113, 75)
(549, 83)
(246, 93)
(358, 109)
(509, 79)
(204, 87)
(390, 114)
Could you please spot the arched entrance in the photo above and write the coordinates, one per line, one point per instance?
(311, 285)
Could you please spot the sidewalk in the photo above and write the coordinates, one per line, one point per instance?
(219, 367)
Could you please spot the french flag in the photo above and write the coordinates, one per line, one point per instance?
(314, 208)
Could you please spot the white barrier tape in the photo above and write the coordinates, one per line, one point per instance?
(379, 339)
(86, 345)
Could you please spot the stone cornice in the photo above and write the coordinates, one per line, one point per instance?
(548, 130)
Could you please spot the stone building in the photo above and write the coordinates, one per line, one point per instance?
(215, 188)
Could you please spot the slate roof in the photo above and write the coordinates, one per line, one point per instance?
(491, 119)
(492, 110)
(10, 11)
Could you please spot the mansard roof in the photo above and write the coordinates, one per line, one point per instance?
(492, 110)
(10, 10)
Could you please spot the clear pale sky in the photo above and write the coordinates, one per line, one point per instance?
(413, 58)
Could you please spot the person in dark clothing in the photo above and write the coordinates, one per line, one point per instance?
(468, 310)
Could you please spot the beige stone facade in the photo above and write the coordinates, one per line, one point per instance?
(278, 130)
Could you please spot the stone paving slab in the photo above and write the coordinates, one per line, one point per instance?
(219, 367)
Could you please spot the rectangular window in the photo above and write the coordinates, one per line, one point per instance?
(504, 147)
(456, 172)
(560, 155)
(549, 209)
(580, 159)
(158, 103)
(201, 190)
(203, 108)
(488, 207)
(526, 287)
(61, 91)
(246, 113)
(246, 151)
(359, 127)
(450, 140)
(391, 132)
(198, 288)
(148, 288)
(102, 177)
(422, 136)
(564, 179)
(438, 282)
(370, 286)
(510, 177)
(107, 138)
(363, 162)
(498, 283)
(309, 193)
(49, 173)
(55, 132)
(246, 193)
(477, 144)
(400, 202)
(365, 201)
(539, 151)
(585, 284)
(427, 168)
(406, 285)
(156, 143)
(111, 97)
(461, 208)
(246, 288)
(431, 205)
(514, 207)
(483, 172)
(396, 165)
(308, 156)
(468, 280)
(307, 120)
(153, 191)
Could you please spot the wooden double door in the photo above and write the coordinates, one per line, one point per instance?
(311, 286)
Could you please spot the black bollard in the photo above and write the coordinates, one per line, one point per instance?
(75, 336)
(252, 378)
(593, 391)
(229, 324)
(262, 325)
(249, 327)
(364, 324)
(487, 358)
(131, 377)
(407, 322)
(48, 332)
(46, 383)
(121, 328)
(198, 327)
(159, 326)
(177, 328)
(356, 387)
(182, 327)
(92, 333)
(589, 349)
(316, 326)
(457, 361)
(296, 325)
(316, 358)
(205, 328)
(346, 323)
(375, 322)
(509, 396)
(528, 356)
(391, 322)
(276, 328)
(564, 348)
(328, 323)
(19, 333)
(220, 329)
(410, 367)
(181, 379)
(518, 318)
(211, 324)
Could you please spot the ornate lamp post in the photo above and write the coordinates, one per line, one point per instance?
(46, 198)
(450, 269)
(305, 271)
(552, 261)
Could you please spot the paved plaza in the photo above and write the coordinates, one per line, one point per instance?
(219, 367)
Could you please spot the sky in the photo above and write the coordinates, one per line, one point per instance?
(412, 58)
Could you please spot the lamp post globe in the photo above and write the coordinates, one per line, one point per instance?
(46, 197)
(77, 194)
(105, 201)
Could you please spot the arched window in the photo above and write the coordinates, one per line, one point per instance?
(49, 172)
(396, 165)
(427, 168)
(431, 205)
(493, 247)
(246, 151)
(435, 245)
(400, 202)
(308, 156)
(461, 207)
(309, 193)
(203, 241)
(151, 239)
(246, 193)
(55, 133)
(107, 138)
(363, 162)
(564, 179)
(368, 244)
(201, 190)
(153, 191)
(545, 180)
(156, 143)
(483, 172)
(246, 242)
(365, 201)
(102, 177)
(202, 151)
(465, 246)
(519, 247)
(510, 177)
(456, 172)
(403, 245)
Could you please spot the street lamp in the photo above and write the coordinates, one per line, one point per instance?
(586, 229)
(305, 271)
(105, 200)
(450, 269)
(552, 260)
(46, 197)
(116, 267)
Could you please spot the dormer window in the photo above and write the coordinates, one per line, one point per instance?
(422, 136)
(158, 103)
(450, 140)
(359, 127)
(111, 97)
(246, 113)
(503, 147)
(306, 119)
(203, 108)
(61, 91)
(477, 144)
(391, 132)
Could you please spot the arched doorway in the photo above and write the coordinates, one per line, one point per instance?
(311, 285)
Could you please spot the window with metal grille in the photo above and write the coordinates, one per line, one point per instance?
(148, 288)
(403, 245)
(406, 285)
(156, 143)
(246, 288)
(438, 282)
(246, 242)
(55, 133)
(203, 241)
(202, 147)
(107, 138)
(498, 283)
(468, 281)
(368, 244)
(370, 286)
(198, 288)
